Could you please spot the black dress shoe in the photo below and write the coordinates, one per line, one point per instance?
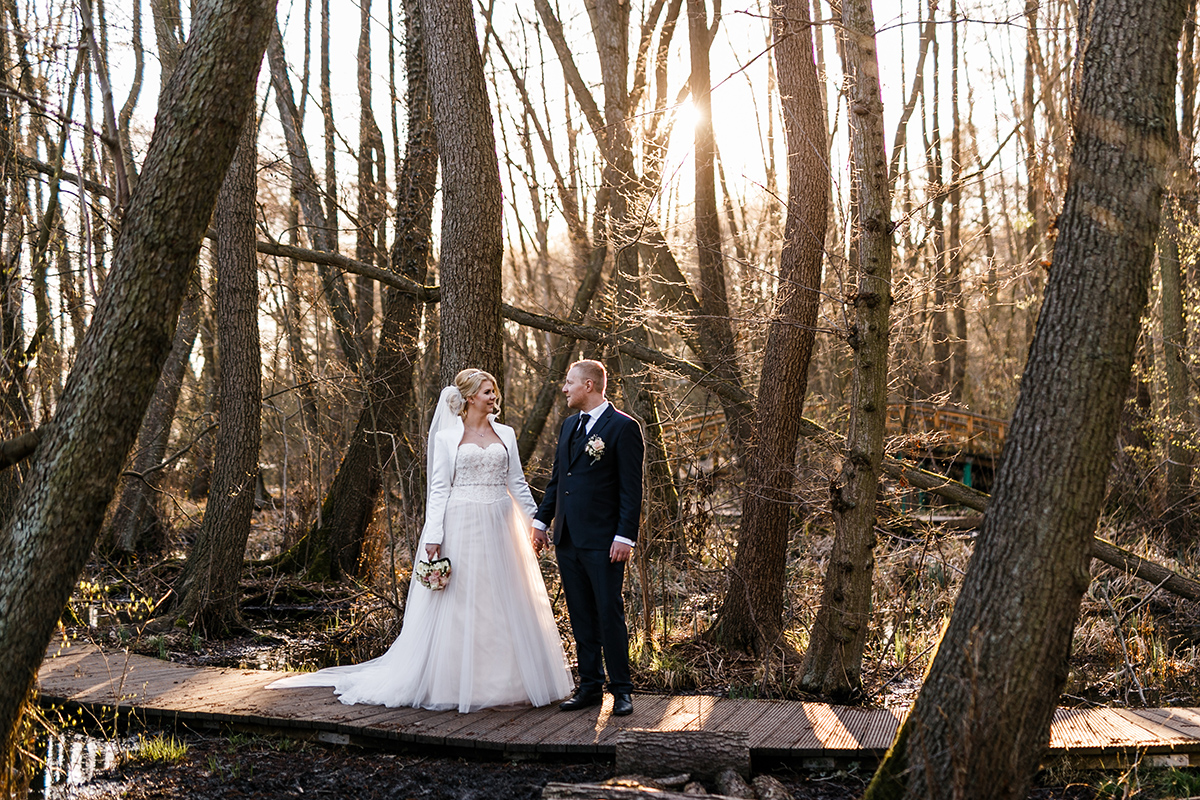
(622, 704)
(581, 699)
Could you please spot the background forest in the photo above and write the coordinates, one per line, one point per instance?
(811, 244)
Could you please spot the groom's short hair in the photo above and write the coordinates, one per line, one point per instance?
(592, 371)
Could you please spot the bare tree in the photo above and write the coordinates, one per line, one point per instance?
(472, 238)
(982, 720)
(207, 591)
(833, 662)
(751, 617)
(58, 515)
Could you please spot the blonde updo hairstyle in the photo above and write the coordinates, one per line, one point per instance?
(470, 381)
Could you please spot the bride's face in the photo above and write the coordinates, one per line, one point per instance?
(485, 398)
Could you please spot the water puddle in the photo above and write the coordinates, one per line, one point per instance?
(72, 760)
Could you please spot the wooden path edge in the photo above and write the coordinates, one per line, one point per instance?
(112, 684)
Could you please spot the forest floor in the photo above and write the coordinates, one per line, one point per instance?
(1134, 646)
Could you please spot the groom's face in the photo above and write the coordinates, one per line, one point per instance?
(576, 389)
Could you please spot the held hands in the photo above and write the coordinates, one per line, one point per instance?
(432, 551)
(619, 552)
(539, 539)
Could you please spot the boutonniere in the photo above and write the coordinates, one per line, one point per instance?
(595, 448)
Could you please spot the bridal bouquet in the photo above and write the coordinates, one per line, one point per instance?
(433, 575)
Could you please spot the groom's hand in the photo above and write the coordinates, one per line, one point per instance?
(539, 539)
(619, 552)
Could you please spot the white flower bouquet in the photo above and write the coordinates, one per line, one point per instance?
(433, 575)
(594, 448)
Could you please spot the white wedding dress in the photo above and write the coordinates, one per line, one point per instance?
(489, 638)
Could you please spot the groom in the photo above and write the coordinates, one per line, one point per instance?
(595, 500)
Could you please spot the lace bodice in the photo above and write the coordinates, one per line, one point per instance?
(480, 473)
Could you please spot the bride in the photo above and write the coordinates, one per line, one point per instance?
(489, 638)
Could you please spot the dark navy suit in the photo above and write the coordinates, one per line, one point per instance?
(592, 501)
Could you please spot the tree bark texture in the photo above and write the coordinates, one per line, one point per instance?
(1178, 450)
(703, 754)
(379, 432)
(981, 722)
(471, 239)
(57, 518)
(751, 616)
(207, 591)
(14, 413)
(134, 519)
(833, 663)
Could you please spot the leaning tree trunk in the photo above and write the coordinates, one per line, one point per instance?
(135, 523)
(57, 518)
(752, 614)
(982, 720)
(472, 237)
(207, 590)
(379, 434)
(834, 659)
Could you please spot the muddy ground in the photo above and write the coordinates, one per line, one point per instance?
(218, 767)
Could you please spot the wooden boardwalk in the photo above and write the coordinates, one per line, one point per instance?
(813, 735)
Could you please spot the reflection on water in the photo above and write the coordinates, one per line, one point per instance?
(73, 759)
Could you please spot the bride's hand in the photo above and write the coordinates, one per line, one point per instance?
(432, 551)
(539, 539)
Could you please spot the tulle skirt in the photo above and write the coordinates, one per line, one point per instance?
(488, 639)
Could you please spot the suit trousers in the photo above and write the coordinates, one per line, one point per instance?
(592, 587)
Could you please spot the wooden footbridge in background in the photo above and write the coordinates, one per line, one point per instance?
(948, 440)
(104, 683)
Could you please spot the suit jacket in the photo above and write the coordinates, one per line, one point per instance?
(596, 499)
(441, 477)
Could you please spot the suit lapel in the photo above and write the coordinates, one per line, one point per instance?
(597, 430)
(572, 452)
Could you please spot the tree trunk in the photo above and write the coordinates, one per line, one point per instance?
(702, 754)
(135, 524)
(209, 400)
(752, 614)
(1179, 422)
(956, 311)
(14, 414)
(58, 516)
(347, 508)
(715, 326)
(372, 178)
(982, 720)
(833, 663)
(207, 590)
(472, 244)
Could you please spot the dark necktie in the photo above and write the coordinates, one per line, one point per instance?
(580, 430)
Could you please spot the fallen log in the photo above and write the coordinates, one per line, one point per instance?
(1102, 549)
(704, 754)
(598, 791)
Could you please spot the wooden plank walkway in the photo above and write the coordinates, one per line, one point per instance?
(807, 734)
